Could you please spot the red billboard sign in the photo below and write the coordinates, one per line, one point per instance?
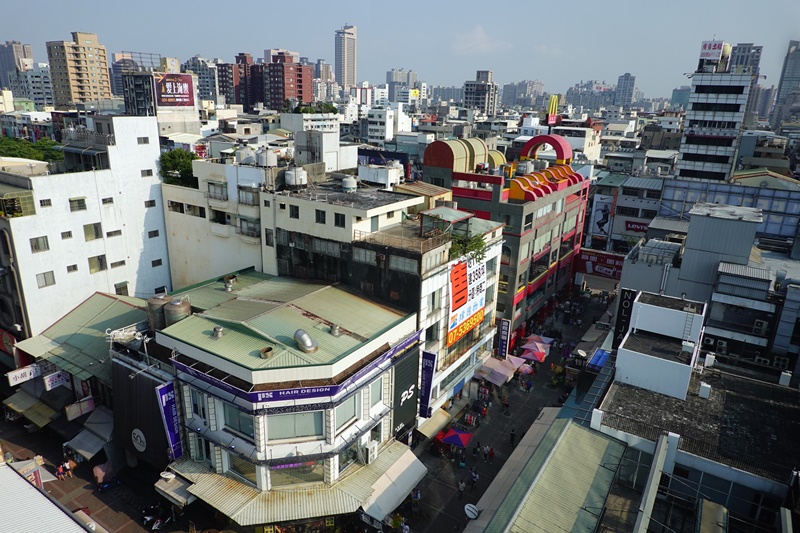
(174, 90)
(639, 227)
(600, 264)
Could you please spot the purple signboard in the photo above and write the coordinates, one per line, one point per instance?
(302, 392)
(168, 406)
(504, 335)
(426, 383)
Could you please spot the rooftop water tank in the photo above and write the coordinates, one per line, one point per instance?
(261, 157)
(296, 177)
(245, 155)
(177, 310)
(155, 311)
(349, 184)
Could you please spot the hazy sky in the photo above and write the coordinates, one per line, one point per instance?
(445, 42)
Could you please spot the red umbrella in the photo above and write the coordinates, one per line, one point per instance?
(531, 354)
(457, 437)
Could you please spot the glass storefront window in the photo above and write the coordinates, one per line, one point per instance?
(242, 467)
(348, 456)
(295, 425)
(296, 473)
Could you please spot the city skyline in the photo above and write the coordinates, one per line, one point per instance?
(613, 43)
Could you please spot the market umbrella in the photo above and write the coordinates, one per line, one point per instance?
(526, 369)
(457, 437)
(536, 346)
(536, 355)
(539, 338)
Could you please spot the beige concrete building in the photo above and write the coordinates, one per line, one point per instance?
(79, 69)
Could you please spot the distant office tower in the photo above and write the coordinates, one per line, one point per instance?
(323, 71)
(400, 78)
(286, 80)
(714, 119)
(447, 94)
(482, 93)
(79, 69)
(34, 83)
(522, 93)
(346, 60)
(207, 81)
(11, 55)
(746, 58)
(229, 83)
(120, 63)
(244, 63)
(680, 96)
(766, 97)
(788, 84)
(626, 89)
(269, 53)
(591, 94)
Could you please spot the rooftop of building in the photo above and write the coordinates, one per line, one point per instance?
(745, 423)
(728, 212)
(365, 197)
(651, 184)
(655, 345)
(264, 312)
(670, 224)
(662, 154)
(610, 179)
(421, 188)
(670, 302)
(776, 262)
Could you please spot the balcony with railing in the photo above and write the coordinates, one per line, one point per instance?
(86, 136)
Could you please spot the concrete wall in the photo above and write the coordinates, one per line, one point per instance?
(668, 322)
(652, 373)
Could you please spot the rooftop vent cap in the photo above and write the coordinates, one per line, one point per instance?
(228, 286)
(336, 330)
(266, 352)
(218, 332)
(305, 342)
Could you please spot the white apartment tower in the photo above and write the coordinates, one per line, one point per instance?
(93, 224)
(207, 80)
(34, 84)
(626, 90)
(713, 120)
(482, 93)
(346, 60)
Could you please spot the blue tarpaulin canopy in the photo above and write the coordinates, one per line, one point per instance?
(598, 360)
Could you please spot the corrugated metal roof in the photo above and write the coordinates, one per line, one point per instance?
(25, 509)
(670, 224)
(421, 188)
(612, 180)
(249, 506)
(651, 184)
(743, 302)
(745, 271)
(87, 444)
(569, 475)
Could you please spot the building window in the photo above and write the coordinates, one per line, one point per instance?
(299, 472)
(294, 211)
(92, 231)
(156, 263)
(143, 140)
(218, 191)
(376, 392)
(320, 216)
(238, 421)
(360, 255)
(282, 206)
(432, 333)
(295, 426)
(348, 456)
(45, 279)
(77, 204)
(39, 244)
(47, 202)
(649, 213)
(330, 248)
(121, 289)
(269, 238)
(72, 268)
(97, 264)
(248, 196)
(117, 264)
(152, 234)
(115, 233)
(199, 404)
(266, 203)
(66, 235)
(147, 172)
(403, 264)
(390, 214)
(627, 211)
(107, 201)
(338, 220)
(242, 467)
(149, 203)
(346, 412)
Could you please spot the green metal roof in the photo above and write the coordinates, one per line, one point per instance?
(611, 179)
(264, 311)
(569, 475)
(78, 343)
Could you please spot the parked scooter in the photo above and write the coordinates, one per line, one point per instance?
(109, 484)
(167, 516)
(151, 513)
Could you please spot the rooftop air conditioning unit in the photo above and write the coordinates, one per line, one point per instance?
(708, 341)
(722, 344)
(762, 360)
(369, 452)
(781, 362)
(760, 327)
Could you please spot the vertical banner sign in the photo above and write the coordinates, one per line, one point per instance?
(504, 336)
(406, 376)
(426, 383)
(624, 310)
(467, 298)
(168, 406)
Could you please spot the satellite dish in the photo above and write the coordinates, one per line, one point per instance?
(471, 511)
(582, 353)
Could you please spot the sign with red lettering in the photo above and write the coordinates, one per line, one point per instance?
(467, 297)
(601, 264)
(639, 227)
(711, 50)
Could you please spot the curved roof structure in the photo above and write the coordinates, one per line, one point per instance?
(559, 144)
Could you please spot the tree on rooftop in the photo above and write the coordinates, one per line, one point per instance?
(41, 150)
(176, 168)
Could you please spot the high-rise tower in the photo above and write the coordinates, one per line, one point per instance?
(789, 85)
(11, 54)
(626, 87)
(346, 60)
(79, 69)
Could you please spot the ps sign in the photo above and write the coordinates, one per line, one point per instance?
(406, 375)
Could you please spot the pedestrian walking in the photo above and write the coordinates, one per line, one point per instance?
(491, 455)
(60, 472)
(485, 453)
(67, 469)
(512, 436)
(461, 487)
(476, 450)
(473, 479)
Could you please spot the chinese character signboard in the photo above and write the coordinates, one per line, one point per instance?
(169, 415)
(504, 336)
(711, 50)
(174, 90)
(467, 298)
(426, 383)
(56, 379)
(600, 264)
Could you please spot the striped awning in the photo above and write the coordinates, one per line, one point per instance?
(87, 444)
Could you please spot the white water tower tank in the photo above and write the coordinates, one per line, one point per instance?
(261, 157)
(272, 158)
(296, 177)
(349, 184)
(245, 155)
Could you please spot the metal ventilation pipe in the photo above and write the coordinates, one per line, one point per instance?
(305, 342)
(336, 330)
(228, 286)
(218, 332)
